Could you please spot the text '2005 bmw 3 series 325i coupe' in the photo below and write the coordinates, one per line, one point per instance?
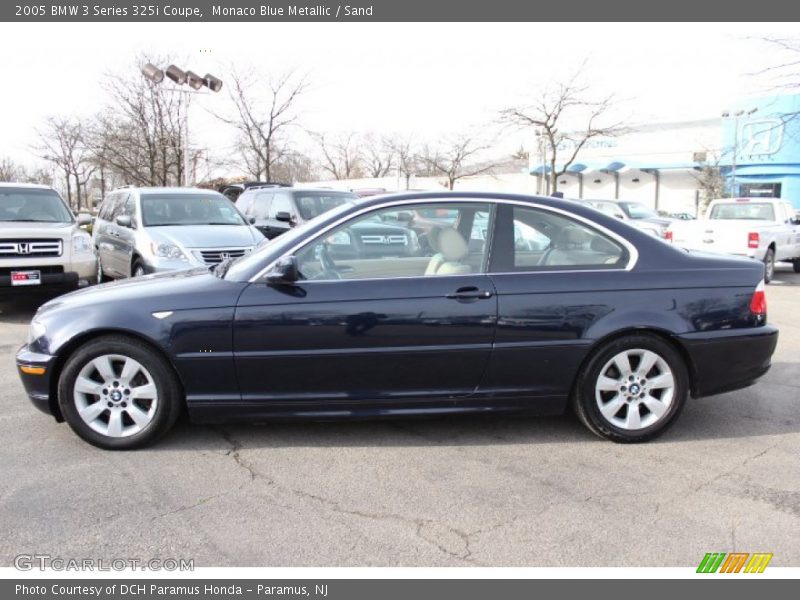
(475, 302)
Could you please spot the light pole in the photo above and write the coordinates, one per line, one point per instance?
(735, 116)
(194, 81)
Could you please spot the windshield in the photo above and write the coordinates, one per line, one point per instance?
(749, 211)
(188, 209)
(313, 204)
(260, 257)
(637, 210)
(34, 205)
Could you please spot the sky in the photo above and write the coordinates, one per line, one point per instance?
(420, 78)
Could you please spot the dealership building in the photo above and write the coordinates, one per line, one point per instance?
(755, 145)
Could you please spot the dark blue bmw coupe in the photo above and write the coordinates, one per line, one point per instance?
(475, 302)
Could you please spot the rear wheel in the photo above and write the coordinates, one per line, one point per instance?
(632, 389)
(769, 265)
(117, 393)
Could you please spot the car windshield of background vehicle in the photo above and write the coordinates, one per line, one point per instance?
(29, 205)
(745, 211)
(313, 205)
(188, 209)
(637, 210)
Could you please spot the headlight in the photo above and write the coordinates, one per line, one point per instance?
(35, 331)
(340, 238)
(81, 244)
(168, 251)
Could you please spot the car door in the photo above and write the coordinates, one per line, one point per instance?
(555, 277)
(105, 232)
(415, 325)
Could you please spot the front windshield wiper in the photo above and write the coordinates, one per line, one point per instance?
(221, 223)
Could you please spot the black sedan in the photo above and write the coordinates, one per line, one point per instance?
(591, 313)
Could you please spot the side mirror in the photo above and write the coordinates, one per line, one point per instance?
(123, 220)
(284, 272)
(251, 220)
(284, 216)
(84, 219)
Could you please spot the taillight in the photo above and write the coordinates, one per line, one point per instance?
(668, 235)
(758, 303)
(753, 239)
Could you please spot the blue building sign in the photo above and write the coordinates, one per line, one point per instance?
(763, 136)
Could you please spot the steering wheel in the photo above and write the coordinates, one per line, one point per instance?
(328, 266)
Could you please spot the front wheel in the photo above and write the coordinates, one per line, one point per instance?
(632, 389)
(117, 393)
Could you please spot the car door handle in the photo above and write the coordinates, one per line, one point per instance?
(469, 293)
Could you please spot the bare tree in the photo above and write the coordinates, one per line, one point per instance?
(458, 157)
(264, 125)
(9, 170)
(559, 107)
(378, 155)
(139, 137)
(407, 158)
(341, 157)
(63, 143)
(710, 179)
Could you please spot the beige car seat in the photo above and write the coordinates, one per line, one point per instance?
(452, 249)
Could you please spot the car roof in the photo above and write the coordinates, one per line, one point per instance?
(33, 186)
(167, 190)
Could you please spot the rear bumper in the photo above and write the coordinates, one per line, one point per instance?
(37, 386)
(723, 361)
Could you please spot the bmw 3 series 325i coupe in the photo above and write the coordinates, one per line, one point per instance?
(503, 303)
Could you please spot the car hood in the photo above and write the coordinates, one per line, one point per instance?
(30, 229)
(172, 290)
(206, 236)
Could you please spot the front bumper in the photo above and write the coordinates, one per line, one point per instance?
(75, 272)
(38, 385)
(727, 360)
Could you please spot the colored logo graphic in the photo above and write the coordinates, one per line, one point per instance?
(735, 562)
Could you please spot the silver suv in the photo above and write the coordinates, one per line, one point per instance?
(149, 230)
(42, 244)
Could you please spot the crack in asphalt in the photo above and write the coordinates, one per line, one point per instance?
(744, 463)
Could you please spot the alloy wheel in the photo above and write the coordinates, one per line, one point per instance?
(115, 395)
(635, 389)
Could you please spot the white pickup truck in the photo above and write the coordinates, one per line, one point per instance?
(766, 229)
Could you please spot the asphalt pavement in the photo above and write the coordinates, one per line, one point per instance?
(456, 491)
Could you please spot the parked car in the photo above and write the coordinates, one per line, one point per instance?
(150, 230)
(289, 332)
(276, 210)
(42, 245)
(765, 229)
(232, 191)
(636, 213)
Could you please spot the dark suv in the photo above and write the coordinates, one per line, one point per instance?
(278, 209)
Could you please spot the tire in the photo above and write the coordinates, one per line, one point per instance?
(796, 265)
(138, 270)
(769, 265)
(99, 274)
(620, 425)
(114, 417)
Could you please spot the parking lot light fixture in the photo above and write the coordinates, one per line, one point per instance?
(212, 83)
(194, 80)
(177, 75)
(153, 73)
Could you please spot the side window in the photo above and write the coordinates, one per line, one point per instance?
(392, 243)
(281, 203)
(129, 208)
(531, 239)
(261, 204)
(118, 207)
(108, 207)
